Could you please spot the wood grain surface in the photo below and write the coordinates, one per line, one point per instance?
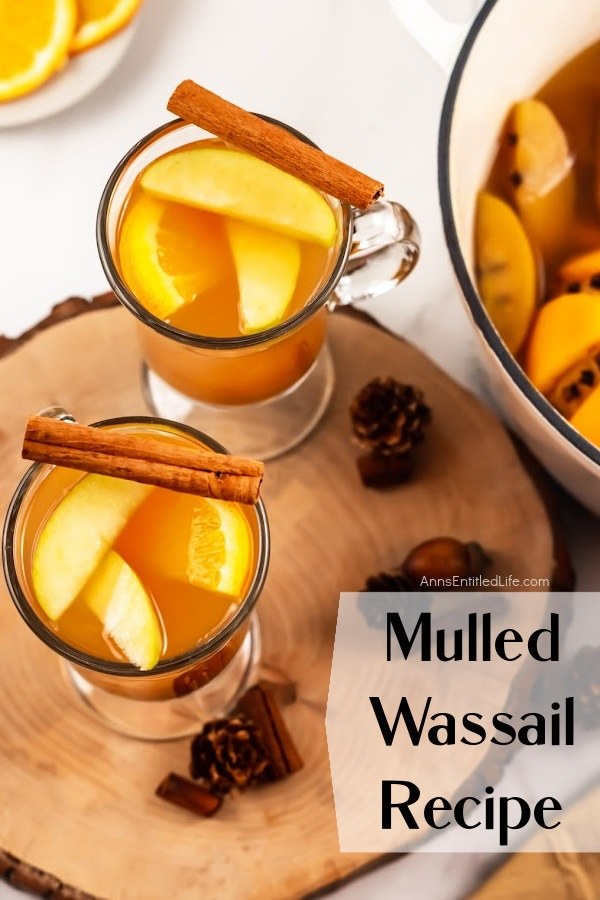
(78, 800)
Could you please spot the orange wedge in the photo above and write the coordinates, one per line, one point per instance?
(506, 269)
(99, 19)
(34, 43)
(169, 254)
(195, 540)
(220, 547)
(587, 418)
(566, 330)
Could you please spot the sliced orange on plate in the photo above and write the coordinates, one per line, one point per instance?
(34, 42)
(99, 19)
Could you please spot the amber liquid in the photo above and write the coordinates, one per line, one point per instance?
(547, 167)
(226, 376)
(152, 543)
(573, 94)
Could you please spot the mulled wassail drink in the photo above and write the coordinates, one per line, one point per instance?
(537, 240)
(218, 243)
(151, 573)
(145, 589)
(230, 237)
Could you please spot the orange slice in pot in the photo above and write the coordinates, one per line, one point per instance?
(566, 330)
(506, 269)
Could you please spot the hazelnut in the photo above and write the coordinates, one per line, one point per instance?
(445, 558)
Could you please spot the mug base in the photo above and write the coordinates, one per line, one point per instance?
(262, 430)
(182, 717)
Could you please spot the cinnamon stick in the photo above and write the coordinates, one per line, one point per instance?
(273, 144)
(143, 458)
(186, 794)
(259, 705)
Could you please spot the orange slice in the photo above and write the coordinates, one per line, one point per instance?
(565, 331)
(34, 42)
(220, 546)
(506, 269)
(169, 254)
(579, 274)
(587, 418)
(576, 384)
(194, 540)
(99, 19)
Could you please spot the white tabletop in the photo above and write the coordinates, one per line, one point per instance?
(344, 73)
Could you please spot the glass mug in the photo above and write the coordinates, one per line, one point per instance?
(259, 393)
(171, 700)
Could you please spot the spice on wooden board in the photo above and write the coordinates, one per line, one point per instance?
(434, 563)
(388, 421)
(250, 747)
(142, 458)
(443, 559)
(273, 144)
(260, 706)
(383, 471)
(230, 753)
(188, 795)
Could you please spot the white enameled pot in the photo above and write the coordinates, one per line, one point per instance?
(510, 50)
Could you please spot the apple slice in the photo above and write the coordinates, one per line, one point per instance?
(115, 594)
(243, 187)
(76, 536)
(267, 266)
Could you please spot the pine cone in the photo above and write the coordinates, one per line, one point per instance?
(375, 609)
(389, 418)
(395, 580)
(585, 685)
(229, 753)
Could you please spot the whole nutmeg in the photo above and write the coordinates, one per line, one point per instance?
(444, 558)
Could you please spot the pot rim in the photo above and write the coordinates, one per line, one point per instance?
(481, 319)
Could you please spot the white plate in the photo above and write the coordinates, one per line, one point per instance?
(81, 75)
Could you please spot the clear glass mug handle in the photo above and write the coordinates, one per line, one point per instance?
(57, 412)
(385, 249)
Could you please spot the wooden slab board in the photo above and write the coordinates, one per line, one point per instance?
(77, 800)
